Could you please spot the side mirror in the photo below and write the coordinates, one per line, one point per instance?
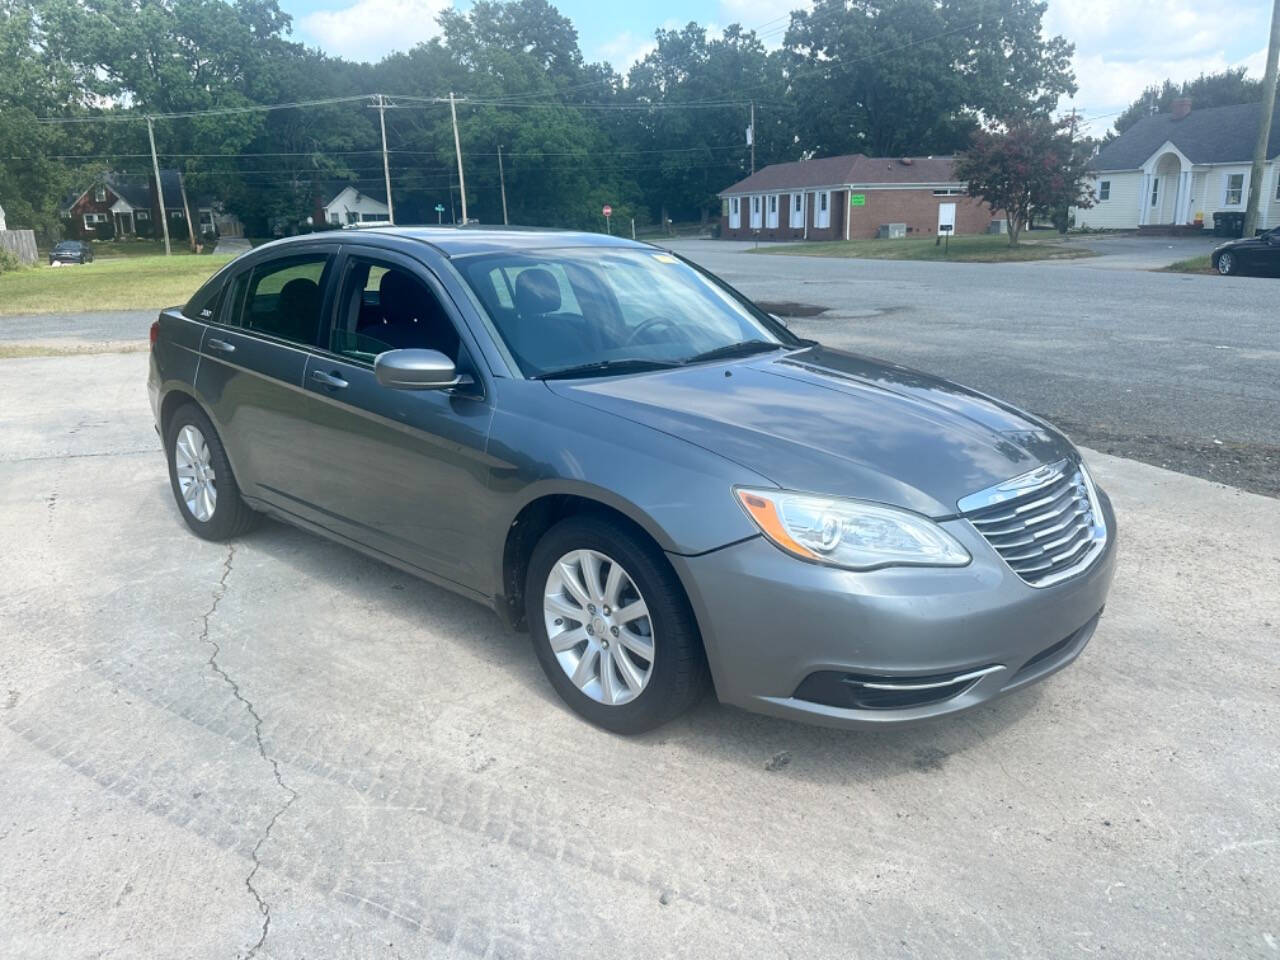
(417, 370)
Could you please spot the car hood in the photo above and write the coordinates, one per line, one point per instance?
(836, 423)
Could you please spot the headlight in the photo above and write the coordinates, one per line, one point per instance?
(849, 533)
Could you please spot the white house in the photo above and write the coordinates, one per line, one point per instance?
(2, 226)
(1178, 169)
(352, 206)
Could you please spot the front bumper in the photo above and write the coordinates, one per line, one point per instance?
(819, 644)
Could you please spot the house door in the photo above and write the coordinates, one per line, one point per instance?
(947, 217)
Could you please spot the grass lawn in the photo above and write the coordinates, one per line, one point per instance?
(115, 283)
(1191, 265)
(965, 249)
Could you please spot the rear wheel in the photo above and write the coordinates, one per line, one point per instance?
(611, 625)
(1227, 263)
(201, 478)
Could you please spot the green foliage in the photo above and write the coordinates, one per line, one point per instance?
(9, 261)
(1231, 86)
(877, 76)
(1027, 164)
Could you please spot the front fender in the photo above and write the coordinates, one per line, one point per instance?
(542, 445)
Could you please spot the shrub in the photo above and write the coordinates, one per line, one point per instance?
(9, 261)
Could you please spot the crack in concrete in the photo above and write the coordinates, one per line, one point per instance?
(263, 907)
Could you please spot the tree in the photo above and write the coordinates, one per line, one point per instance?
(1028, 163)
(899, 77)
(1207, 90)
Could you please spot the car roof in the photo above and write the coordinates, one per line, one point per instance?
(463, 241)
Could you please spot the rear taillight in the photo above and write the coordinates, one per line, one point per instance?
(155, 332)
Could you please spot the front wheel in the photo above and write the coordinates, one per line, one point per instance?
(200, 475)
(1227, 264)
(611, 625)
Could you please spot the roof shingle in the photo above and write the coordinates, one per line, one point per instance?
(1212, 135)
(853, 168)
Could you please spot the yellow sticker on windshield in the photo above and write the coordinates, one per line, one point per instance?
(665, 258)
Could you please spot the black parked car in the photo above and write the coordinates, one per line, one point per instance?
(1260, 254)
(71, 251)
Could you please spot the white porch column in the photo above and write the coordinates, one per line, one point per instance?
(1144, 201)
(1180, 210)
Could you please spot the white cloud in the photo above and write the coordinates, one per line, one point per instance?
(370, 29)
(768, 18)
(624, 50)
(1124, 47)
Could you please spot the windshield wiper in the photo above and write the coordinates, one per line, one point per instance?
(624, 365)
(744, 349)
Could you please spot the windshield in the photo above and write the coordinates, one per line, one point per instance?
(557, 310)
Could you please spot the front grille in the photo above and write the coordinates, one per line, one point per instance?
(1045, 524)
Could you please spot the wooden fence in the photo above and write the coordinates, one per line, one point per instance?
(21, 242)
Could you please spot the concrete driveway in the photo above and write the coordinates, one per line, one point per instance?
(279, 748)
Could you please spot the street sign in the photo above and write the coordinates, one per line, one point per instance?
(607, 211)
(439, 213)
(439, 208)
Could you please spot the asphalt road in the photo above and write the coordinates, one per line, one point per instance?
(1175, 370)
(282, 749)
(1178, 370)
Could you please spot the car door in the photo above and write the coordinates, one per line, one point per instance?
(401, 471)
(253, 358)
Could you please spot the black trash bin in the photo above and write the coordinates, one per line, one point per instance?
(1228, 224)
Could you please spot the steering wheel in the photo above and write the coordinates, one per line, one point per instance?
(652, 323)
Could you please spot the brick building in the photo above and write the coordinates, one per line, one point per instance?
(116, 205)
(850, 197)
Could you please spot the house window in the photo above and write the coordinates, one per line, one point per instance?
(1155, 192)
(948, 192)
(1278, 187)
(100, 194)
(773, 211)
(334, 218)
(822, 218)
(797, 210)
(1235, 189)
(142, 215)
(755, 213)
(1104, 190)
(735, 213)
(91, 220)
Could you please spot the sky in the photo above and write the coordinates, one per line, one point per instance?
(1122, 46)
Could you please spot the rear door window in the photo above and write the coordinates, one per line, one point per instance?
(283, 298)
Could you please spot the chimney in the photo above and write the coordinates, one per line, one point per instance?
(1181, 107)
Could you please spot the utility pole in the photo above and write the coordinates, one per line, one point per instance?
(753, 136)
(155, 168)
(186, 212)
(386, 167)
(1264, 125)
(502, 179)
(457, 148)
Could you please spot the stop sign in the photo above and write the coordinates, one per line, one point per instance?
(608, 210)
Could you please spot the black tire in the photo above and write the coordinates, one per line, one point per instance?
(231, 517)
(680, 676)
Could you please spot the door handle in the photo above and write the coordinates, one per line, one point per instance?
(220, 345)
(329, 380)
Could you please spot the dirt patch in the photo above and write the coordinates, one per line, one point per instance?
(789, 308)
(1250, 466)
(68, 348)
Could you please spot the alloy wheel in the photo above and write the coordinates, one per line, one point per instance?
(192, 462)
(1226, 263)
(599, 627)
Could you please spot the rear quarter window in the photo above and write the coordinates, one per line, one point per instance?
(204, 305)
